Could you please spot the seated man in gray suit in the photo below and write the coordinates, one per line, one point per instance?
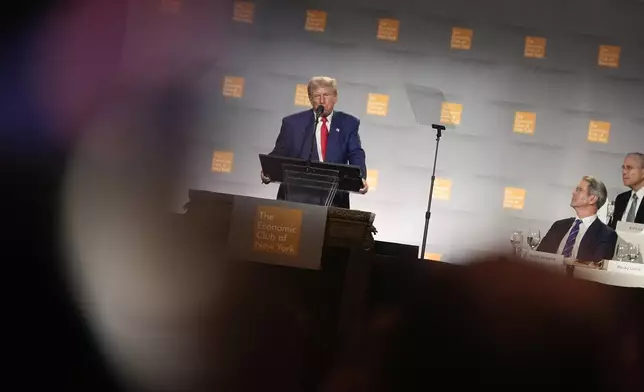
(583, 237)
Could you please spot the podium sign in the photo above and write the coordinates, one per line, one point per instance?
(277, 232)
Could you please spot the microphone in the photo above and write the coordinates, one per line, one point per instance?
(438, 128)
(318, 112)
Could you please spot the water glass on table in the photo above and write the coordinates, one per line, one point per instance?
(610, 210)
(516, 239)
(633, 252)
(622, 252)
(534, 238)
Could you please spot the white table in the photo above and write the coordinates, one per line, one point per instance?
(610, 278)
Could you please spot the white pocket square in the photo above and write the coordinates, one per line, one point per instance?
(337, 129)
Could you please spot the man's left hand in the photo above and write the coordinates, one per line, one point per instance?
(365, 187)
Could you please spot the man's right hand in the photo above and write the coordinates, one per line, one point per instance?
(265, 179)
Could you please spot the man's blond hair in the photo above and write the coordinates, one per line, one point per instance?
(322, 81)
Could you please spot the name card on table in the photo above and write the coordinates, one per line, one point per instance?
(277, 232)
(625, 267)
(544, 258)
(630, 227)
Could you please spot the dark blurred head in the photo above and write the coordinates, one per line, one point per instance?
(492, 324)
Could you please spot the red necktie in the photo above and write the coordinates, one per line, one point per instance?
(324, 137)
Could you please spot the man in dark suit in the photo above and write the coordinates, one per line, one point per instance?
(336, 135)
(584, 237)
(628, 205)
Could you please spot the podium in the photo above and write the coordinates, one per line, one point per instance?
(309, 182)
(290, 323)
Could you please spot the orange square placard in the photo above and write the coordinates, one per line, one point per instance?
(525, 122)
(222, 161)
(378, 104)
(388, 29)
(433, 256)
(315, 21)
(244, 11)
(461, 38)
(442, 188)
(277, 230)
(535, 47)
(451, 113)
(233, 86)
(609, 56)
(302, 95)
(514, 198)
(372, 179)
(598, 131)
(171, 6)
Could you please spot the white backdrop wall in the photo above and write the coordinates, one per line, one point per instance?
(266, 47)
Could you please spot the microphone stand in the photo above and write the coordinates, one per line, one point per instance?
(315, 127)
(318, 112)
(439, 128)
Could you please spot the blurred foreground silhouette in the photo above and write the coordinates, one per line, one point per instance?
(107, 291)
(498, 323)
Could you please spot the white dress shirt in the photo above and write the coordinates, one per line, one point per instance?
(639, 194)
(583, 227)
(318, 133)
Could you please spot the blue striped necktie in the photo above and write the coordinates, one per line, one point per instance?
(570, 242)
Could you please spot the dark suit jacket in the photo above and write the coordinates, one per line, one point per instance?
(621, 201)
(343, 144)
(598, 242)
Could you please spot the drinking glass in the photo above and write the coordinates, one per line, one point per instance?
(516, 239)
(534, 238)
(610, 210)
(622, 251)
(633, 252)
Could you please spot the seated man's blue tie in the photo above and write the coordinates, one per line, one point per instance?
(570, 242)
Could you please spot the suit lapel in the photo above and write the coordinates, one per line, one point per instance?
(333, 142)
(554, 236)
(589, 238)
(639, 217)
(309, 133)
(620, 206)
(565, 226)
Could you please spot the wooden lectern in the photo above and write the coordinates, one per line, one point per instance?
(300, 316)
